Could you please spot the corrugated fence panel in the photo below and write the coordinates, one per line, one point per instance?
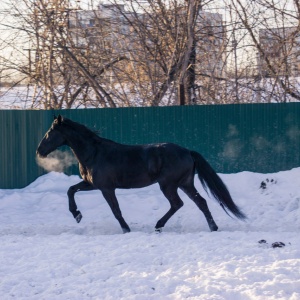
(254, 137)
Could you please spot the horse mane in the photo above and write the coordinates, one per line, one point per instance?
(83, 130)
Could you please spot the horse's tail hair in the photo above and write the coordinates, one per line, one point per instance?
(210, 179)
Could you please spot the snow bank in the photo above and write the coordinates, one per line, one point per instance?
(44, 254)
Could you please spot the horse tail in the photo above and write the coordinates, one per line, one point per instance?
(210, 179)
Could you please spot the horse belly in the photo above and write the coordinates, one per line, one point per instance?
(131, 179)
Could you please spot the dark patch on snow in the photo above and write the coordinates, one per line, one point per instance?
(274, 245)
(278, 245)
(262, 242)
(267, 182)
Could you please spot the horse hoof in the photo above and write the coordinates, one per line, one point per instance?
(78, 217)
(126, 230)
(158, 230)
(214, 228)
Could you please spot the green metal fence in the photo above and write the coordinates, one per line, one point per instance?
(254, 137)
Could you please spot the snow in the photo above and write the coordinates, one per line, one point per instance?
(45, 254)
(266, 90)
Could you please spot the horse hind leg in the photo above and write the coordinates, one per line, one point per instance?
(175, 202)
(201, 204)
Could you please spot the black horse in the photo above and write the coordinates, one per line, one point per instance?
(107, 165)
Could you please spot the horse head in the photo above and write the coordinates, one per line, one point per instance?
(52, 139)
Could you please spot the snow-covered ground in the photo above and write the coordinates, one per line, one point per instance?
(45, 254)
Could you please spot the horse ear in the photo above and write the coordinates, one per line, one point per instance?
(59, 118)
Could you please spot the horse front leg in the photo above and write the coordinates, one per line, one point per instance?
(81, 186)
(112, 201)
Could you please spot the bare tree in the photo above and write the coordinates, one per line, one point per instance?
(153, 52)
(59, 70)
(269, 32)
(162, 48)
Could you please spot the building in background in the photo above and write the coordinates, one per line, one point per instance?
(210, 44)
(109, 24)
(280, 52)
(103, 25)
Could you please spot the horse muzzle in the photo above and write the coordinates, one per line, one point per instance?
(40, 153)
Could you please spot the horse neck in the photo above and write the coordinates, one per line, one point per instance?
(83, 146)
